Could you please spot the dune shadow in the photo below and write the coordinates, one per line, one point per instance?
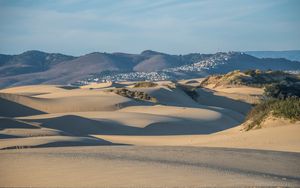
(79, 126)
(169, 98)
(133, 102)
(207, 97)
(186, 127)
(68, 87)
(6, 136)
(13, 109)
(94, 142)
(8, 123)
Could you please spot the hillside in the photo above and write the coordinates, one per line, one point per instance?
(34, 67)
(280, 103)
(254, 78)
(29, 62)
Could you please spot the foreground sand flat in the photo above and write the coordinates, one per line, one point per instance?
(128, 166)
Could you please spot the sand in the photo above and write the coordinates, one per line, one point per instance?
(67, 136)
(131, 166)
(35, 113)
(283, 138)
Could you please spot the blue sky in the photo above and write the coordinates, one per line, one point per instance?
(77, 27)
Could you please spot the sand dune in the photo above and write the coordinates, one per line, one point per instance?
(245, 94)
(105, 85)
(61, 102)
(132, 119)
(283, 138)
(32, 90)
(97, 85)
(166, 96)
(143, 120)
(176, 119)
(224, 100)
(41, 125)
(25, 132)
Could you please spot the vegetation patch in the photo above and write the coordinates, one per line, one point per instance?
(69, 87)
(281, 99)
(253, 78)
(283, 90)
(137, 95)
(189, 90)
(145, 84)
(288, 108)
(192, 82)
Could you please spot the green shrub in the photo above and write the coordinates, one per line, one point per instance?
(283, 90)
(145, 84)
(69, 87)
(288, 108)
(189, 90)
(253, 78)
(137, 95)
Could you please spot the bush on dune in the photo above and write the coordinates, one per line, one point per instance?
(137, 95)
(282, 90)
(252, 78)
(189, 90)
(145, 84)
(282, 100)
(288, 108)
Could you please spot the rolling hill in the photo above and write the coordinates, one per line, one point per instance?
(36, 67)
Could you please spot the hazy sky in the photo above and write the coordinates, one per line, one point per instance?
(78, 27)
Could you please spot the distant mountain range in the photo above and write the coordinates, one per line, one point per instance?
(36, 67)
(293, 55)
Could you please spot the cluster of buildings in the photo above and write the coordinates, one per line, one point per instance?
(211, 62)
(165, 74)
(129, 76)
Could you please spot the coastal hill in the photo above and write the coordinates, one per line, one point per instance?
(36, 67)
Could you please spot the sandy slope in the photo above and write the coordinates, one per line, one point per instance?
(32, 89)
(283, 138)
(243, 94)
(70, 101)
(171, 97)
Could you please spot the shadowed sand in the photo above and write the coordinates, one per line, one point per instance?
(14, 109)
